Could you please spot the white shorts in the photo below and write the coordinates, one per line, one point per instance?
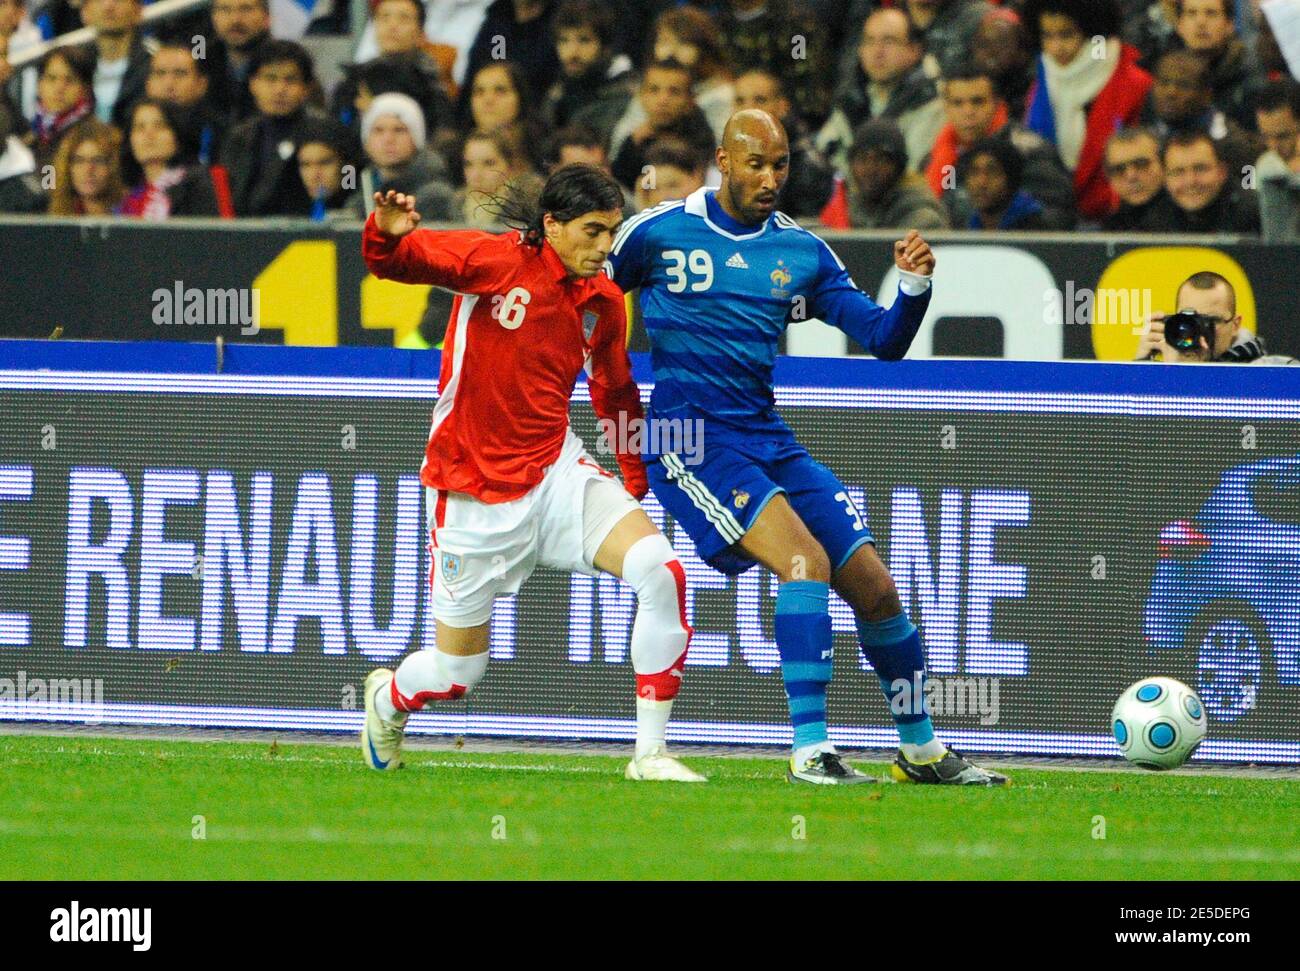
(485, 550)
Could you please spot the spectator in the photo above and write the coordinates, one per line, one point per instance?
(881, 192)
(1277, 112)
(579, 144)
(518, 31)
(1182, 101)
(64, 97)
(500, 100)
(405, 63)
(88, 172)
(1002, 48)
(690, 37)
(1207, 28)
(20, 187)
(491, 163)
(946, 28)
(121, 54)
(162, 165)
(177, 76)
(399, 32)
(327, 166)
(672, 172)
(1150, 27)
(990, 173)
(392, 132)
(889, 82)
(1085, 90)
(259, 152)
(412, 75)
(595, 84)
(18, 33)
(975, 112)
(1202, 197)
(1213, 296)
(240, 27)
(1277, 118)
(765, 34)
(811, 177)
(450, 26)
(1137, 175)
(666, 105)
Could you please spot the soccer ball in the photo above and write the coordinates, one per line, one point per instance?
(1158, 723)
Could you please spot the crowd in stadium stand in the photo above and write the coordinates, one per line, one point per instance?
(1121, 115)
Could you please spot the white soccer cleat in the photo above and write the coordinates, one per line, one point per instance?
(381, 738)
(658, 766)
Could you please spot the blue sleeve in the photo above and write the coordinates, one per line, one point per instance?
(626, 264)
(885, 333)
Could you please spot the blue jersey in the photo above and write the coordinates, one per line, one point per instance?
(716, 296)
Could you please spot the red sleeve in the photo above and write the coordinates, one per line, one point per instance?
(468, 261)
(614, 392)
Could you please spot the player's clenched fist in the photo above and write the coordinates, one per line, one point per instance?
(912, 253)
(395, 213)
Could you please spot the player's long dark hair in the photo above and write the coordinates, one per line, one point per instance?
(570, 191)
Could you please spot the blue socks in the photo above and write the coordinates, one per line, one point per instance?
(803, 637)
(893, 647)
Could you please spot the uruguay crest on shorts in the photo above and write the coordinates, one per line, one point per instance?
(450, 567)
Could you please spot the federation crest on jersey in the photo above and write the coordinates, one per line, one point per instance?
(780, 278)
(589, 320)
(451, 567)
(740, 498)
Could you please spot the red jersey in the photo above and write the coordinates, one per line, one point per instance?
(521, 329)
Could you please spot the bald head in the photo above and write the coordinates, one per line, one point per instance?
(753, 130)
(754, 160)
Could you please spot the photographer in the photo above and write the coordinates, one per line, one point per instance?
(1206, 328)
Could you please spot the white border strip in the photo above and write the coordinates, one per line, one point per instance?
(1042, 402)
(602, 729)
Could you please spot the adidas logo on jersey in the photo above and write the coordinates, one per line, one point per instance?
(738, 262)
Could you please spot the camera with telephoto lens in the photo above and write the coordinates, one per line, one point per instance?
(1184, 330)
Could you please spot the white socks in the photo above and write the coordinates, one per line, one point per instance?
(651, 724)
(425, 676)
(931, 751)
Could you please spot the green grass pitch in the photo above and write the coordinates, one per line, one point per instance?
(78, 807)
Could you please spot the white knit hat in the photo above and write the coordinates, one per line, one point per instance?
(403, 107)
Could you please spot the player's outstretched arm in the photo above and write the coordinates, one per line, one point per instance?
(885, 333)
(462, 260)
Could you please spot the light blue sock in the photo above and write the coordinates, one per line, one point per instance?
(803, 637)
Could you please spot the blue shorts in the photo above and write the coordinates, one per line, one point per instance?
(718, 499)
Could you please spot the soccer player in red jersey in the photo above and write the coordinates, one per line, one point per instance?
(509, 484)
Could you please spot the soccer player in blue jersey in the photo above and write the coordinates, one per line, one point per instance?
(720, 275)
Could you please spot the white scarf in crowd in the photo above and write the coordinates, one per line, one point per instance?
(1071, 89)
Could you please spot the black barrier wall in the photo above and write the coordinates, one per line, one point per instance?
(243, 552)
(1017, 296)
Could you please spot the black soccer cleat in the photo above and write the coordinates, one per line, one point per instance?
(826, 769)
(951, 770)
